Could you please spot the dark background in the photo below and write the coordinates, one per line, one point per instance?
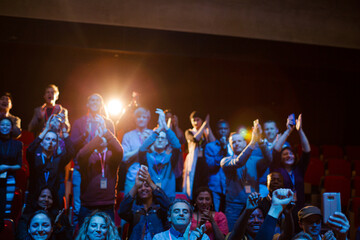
(236, 79)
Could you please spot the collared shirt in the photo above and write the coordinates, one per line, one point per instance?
(173, 234)
(132, 141)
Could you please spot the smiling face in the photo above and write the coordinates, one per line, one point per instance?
(40, 227)
(5, 126)
(97, 229)
(5, 103)
(95, 103)
(255, 221)
(271, 131)
(45, 200)
(145, 191)
(287, 158)
(204, 201)
(49, 143)
(237, 143)
(196, 122)
(51, 95)
(311, 225)
(180, 215)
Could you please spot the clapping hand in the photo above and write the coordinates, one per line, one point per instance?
(161, 120)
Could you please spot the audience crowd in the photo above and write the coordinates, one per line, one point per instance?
(196, 184)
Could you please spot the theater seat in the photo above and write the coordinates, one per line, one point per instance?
(314, 172)
(352, 152)
(9, 230)
(339, 167)
(332, 151)
(341, 184)
(26, 137)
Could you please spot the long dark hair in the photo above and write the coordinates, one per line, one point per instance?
(200, 190)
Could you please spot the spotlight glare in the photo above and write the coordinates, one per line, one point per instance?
(115, 107)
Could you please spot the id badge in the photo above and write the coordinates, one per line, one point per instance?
(200, 152)
(3, 175)
(247, 189)
(103, 183)
(158, 184)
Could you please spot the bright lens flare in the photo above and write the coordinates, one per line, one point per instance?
(115, 107)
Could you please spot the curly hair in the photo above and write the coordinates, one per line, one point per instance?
(112, 232)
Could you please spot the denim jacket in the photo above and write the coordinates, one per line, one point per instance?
(155, 218)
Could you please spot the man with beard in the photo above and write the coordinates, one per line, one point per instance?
(44, 112)
(179, 215)
(5, 107)
(242, 171)
(214, 152)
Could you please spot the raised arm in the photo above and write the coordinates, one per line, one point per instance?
(287, 225)
(281, 139)
(200, 132)
(280, 199)
(305, 145)
(240, 224)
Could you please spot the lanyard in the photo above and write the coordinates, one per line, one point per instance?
(102, 162)
(158, 171)
(292, 177)
(140, 138)
(47, 173)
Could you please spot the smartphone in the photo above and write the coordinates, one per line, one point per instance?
(203, 228)
(292, 121)
(256, 122)
(144, 167)
(331, 202)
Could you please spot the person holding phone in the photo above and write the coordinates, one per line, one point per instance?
(310, 219)
(243, 170)
(285, 162)
(145, 207)
(215, 222)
